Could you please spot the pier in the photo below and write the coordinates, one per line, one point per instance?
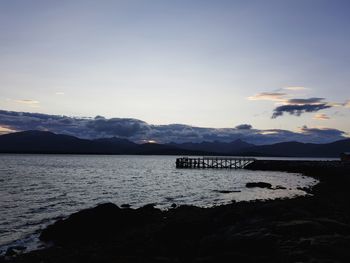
(214, 162)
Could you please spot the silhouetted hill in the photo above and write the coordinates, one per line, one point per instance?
(48, 142)
(123, 145)
(298, 149)
(215, 147)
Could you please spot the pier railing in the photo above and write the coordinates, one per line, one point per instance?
(214, 162)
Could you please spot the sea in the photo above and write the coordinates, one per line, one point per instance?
(36, 190)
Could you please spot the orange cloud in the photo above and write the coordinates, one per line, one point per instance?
(31, 103)
(321, 116)
(271, 96)
(4, 130)
(295, 88)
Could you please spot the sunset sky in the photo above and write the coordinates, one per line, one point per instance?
(216, 64)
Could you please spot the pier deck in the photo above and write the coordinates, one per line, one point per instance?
(214, 162)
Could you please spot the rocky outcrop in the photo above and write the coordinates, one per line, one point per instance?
(259, 185)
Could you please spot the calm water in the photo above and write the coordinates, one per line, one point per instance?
(37, 189)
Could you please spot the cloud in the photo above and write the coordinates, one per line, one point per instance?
(59, 93)
(299, 106)
(5, 130)
(298, 109)
(244, 127)
(295, 106)
(295, 88)
(28, 102)
(321, 116)
(140, 131)
(305, 101)
(347, 104)
(321, 132)
(270, 96)
(117, 126)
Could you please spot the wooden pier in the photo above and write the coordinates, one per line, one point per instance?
(214, 162)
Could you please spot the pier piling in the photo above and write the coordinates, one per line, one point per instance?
(214, 162)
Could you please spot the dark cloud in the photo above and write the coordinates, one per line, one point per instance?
(138, 131)
(244, 127)
(294, 106)
(117, 127)
(305, 101)
(322, 133)
(298, 109)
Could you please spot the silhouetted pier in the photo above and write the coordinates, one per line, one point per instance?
(214, 162)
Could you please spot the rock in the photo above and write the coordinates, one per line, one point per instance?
(104, 223)
(277, 187)
(259, 184)
(14, 251)
(95, 223)
(227, 191)
(149, 206)
(305, 189)
(303, 228)
(334, 226)
(173, 205)
(331, 246)
(303, 244)
(125, 206)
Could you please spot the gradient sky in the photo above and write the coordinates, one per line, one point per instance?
(203, 63)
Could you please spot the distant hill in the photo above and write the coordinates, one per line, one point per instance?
(298, 149)
(48, 142)
(215, 147)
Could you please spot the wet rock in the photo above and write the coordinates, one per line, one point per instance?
(259, 184)
(303, 244)
(330, 246)
(227, 191)
(301, 228)
(148, 206)
(93, 223)
(334, 226)
(279, 187)
(125, 206)
(305, 189)
(103, 223)
(298, 256)
(14, 251)
(173, 205)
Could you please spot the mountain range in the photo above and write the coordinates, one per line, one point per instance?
(48, 142)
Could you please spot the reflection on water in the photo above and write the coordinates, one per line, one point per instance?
(36, 189)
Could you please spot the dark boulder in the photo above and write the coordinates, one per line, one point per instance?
(259, 184)
(303, 228)
(93, 223)
(280, 187)
(227, 191)
(14, 251)
(102, 223)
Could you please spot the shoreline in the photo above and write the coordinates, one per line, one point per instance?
(303, 229)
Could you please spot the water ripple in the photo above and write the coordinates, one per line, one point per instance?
(36, 189)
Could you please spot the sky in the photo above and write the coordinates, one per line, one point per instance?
(272, 65)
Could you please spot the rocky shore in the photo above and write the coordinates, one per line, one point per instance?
(315, 228)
